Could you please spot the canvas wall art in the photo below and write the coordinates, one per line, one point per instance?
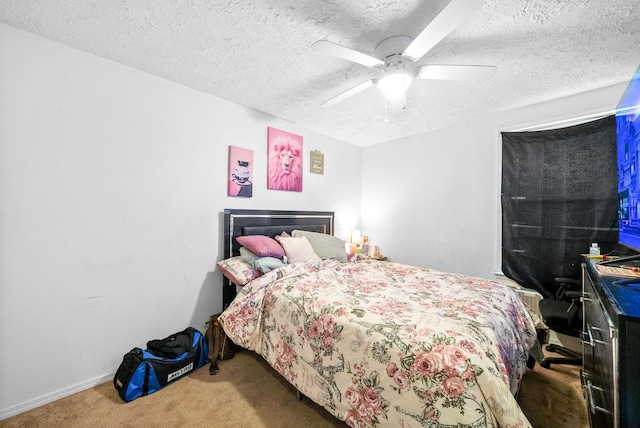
(240, 172)
(284, 168)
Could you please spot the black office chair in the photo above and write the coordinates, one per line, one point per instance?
(563, 315)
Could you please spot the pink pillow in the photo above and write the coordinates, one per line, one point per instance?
(262, 246)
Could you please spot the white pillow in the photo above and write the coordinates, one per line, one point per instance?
(298, 250)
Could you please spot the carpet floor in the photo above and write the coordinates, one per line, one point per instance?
(249, 393)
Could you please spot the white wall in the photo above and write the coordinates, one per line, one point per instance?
(437, 190)
(441, 191)
(112, 182)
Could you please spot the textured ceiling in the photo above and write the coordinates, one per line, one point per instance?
(258, 53)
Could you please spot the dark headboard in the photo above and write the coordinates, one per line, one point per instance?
(269, 223)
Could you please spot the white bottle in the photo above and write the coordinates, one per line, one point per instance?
(594, 250)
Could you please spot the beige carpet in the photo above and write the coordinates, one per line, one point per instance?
(248, 393)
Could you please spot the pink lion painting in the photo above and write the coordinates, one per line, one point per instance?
(285, 160)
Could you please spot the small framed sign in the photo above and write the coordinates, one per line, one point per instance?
(317, 162)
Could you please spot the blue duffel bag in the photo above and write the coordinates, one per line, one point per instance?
(143, 372)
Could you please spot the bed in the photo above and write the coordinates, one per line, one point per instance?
(378, 343)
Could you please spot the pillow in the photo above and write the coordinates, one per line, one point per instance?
(267, 264)
(263, 264)
(325, 246)
(238, 272)
(298, 249)
(247, 256)
(261, 245)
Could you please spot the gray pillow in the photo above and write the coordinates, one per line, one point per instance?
(267, 264)
(325, 246)
(248, 257)
(263, 264)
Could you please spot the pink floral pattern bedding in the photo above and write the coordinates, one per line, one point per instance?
(384, 344)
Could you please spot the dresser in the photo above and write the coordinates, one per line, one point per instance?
(611, 349)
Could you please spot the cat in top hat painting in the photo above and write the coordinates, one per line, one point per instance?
(240, 170)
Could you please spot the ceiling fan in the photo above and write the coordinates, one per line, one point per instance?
(392, 56)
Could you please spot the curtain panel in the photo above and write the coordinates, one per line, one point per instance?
(559, 194)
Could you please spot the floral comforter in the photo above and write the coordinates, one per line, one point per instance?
(384, 344)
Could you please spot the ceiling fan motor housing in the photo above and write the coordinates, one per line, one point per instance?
(390, 51)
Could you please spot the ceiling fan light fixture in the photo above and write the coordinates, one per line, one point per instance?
(396, 83)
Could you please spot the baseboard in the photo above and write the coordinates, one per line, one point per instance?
(48, 398)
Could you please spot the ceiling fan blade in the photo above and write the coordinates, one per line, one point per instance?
(349, 93)
(447, 20)
(346, 53)
(468, 73)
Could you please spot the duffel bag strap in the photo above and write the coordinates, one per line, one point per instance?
(145, 383)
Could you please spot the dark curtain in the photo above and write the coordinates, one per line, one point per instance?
(559, 194)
